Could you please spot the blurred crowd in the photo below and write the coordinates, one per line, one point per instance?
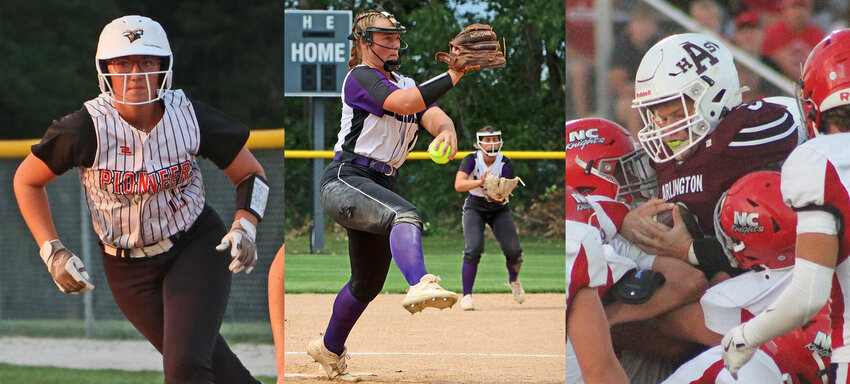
(779, 33)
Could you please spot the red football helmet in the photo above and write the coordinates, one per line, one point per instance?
(804, 353)
(579, 209)
(603, 159)
(825, 83)
(754, 224)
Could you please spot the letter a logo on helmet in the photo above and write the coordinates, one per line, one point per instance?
(134, 35)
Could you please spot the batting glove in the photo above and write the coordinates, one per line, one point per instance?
(735, 350)
(243, 247)
(66, 268)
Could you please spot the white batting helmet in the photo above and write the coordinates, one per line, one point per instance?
(128, 36)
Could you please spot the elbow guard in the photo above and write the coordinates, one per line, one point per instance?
(252, 194)
(432, 90)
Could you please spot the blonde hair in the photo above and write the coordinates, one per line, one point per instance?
(363, 20)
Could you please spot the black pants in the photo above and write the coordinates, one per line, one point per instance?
(177, 301)
(476, 214)
(364, 202)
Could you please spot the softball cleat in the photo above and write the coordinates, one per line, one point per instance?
(466, 303)
(428, 293)
(335, 365)
(519, 293)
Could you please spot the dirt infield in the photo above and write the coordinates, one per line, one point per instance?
(499, 342)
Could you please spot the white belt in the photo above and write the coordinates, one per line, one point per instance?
(149, 250)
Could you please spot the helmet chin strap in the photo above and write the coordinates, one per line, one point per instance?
(389, 65)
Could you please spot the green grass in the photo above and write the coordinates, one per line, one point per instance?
(122, 330)
(14, 374)
(327, 272)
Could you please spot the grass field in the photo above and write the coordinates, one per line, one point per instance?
(14, 374)
(327, 272)
(122, 330)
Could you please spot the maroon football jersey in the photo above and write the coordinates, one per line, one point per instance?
(747, 139)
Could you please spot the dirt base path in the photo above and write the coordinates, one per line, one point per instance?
(499, 342)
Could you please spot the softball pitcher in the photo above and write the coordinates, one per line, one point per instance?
(382, 111)
(479, 209)
(165, 252)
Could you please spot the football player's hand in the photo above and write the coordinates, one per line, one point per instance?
(659, 239)
(66, 268)
(735, 350)
(634, 228)
(241, 240)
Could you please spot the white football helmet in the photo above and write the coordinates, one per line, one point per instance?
(687, 67)
(128, 36)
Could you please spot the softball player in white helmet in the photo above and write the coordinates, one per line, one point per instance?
(165, 252)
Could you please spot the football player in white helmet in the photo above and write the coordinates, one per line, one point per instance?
(702, 139)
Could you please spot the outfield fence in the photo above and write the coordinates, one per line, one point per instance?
(31, 304)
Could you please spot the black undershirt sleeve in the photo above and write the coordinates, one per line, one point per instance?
(222, 136)
(68, 143)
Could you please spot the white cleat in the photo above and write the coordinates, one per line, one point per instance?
(428, 293)
(519, 293)
(335, 365)
(466, 303)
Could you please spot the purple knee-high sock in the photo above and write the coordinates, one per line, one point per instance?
(406, 247)
(512, 272)
(468, 275)
(346, 311)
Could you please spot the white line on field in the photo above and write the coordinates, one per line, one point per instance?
(438, 354)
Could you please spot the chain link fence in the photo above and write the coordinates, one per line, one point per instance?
(31, 304)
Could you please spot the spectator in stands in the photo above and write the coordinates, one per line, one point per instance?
(748, 36)
(707, 13)
(580, 53)
(640, 33)
(787, 42)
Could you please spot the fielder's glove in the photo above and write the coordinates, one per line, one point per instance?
(473, 48)
(241, 239)
(66, 268)
(498, 189)
(735, 350)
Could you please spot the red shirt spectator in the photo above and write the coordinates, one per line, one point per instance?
(788, 41)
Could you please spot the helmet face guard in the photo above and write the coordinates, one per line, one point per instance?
(481, 135)
(603, 159)
(366, 36)
(657, 139)
(134, 36)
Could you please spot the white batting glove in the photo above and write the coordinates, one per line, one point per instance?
(735, 350)
(241, 239)
(66, 268)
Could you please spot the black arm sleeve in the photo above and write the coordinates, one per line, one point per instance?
(712, 259)
(222, 137)
(68, 143)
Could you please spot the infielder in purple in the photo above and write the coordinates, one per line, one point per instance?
(479, 210)
(165, 253)
(382, 113)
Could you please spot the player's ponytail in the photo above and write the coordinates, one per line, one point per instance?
(362, 21)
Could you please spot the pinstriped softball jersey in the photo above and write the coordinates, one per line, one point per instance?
(142, 187)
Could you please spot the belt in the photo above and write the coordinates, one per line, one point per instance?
(380, 166)
(154, 249)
